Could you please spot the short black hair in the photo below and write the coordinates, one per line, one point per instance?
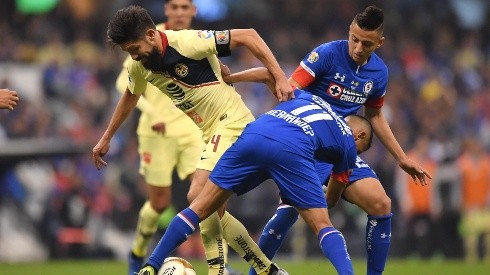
(129, 24)
(370, 19)
(365, 124)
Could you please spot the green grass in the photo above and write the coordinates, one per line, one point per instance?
(309, 267)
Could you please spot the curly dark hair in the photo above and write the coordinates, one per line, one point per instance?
(129, 24)
(370, 19)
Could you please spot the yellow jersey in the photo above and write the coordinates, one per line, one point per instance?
(190, 75)
(157, 107)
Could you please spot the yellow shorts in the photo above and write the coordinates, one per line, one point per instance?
(221, 139)
(159, 156)
(475, 222)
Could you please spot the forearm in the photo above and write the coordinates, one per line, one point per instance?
(383, 131)
(335, 189)
(124, 107)
(260, 74)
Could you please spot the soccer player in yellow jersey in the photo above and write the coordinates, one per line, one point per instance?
(167, 138)
(184, 66)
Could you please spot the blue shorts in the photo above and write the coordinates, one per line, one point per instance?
(360, 171)
(254, 158)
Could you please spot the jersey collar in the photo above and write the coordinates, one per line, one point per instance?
(164, 42)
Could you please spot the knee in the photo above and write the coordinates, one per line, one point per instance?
(380, 206)
(191, 195)
(159, 204)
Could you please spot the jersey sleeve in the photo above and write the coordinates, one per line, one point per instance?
(199, 44)
(376, 99)
(314, 65)
(136, 81)
(342, 168)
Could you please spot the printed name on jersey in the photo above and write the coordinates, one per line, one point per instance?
(222, 37)
(290, 118)
(345, 94)
(340, 122)
(205, 34)
(181, 70)
(313, 57)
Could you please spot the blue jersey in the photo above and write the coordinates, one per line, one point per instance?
(310, 126)
(330, 73)
(284, 144)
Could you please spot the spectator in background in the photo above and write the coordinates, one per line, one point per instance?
(8, 99)
(415, 202)
(474, 166)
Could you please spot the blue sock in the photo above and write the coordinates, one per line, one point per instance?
(334, 248)
(378, 236)
(179, 229)
(275, 231)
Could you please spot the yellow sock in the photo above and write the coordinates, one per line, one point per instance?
(147, 226)
(238, 238)
(212, 239)
(225, 250)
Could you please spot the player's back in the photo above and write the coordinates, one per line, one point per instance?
(308, 125)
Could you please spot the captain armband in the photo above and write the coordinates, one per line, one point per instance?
(222, 39)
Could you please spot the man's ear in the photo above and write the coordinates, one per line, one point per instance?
(150, 35)
(361, 135)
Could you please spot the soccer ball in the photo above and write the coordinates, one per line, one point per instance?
(176, 266)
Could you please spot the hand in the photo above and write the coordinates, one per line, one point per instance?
(159, 127)
(225, 71)
(416, 171)
(284, 91)
(8, 99)
(99, 151)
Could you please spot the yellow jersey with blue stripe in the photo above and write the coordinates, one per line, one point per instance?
(190, 75)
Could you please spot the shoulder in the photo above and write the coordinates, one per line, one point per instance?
(161, 27)
(379, 64)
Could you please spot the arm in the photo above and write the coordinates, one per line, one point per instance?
(251, 39)
(143, 104)
(261, 75)
(125, 105)
(8, 99)
(335, 189)
(385, 135)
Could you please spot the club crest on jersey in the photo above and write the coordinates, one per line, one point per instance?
(181, 69)
(368, 86)
(338, 76)
(205, 34)
(222, 37)
(313, 57)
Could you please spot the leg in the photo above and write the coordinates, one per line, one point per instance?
(331, 241)
(184, 224)
(275, 231)
(368, 194)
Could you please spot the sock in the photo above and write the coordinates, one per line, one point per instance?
(238, 238)
(334, 248)
(378, 236)
(212, 239)
(179, 229)
(146, 228)
(275, 231)
(225, 249)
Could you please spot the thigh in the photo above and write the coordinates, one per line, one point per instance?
(158, 157)
(241, 168)
(366, 193)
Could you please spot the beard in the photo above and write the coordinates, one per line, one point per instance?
(154, 61)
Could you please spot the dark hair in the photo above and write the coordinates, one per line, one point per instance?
(129, 24)
(370, 19)
(365, 124)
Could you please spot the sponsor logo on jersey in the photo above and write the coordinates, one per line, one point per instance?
(222, 37)
(176, 92)
(181, 69)
(345, 94)
(205, 34)
(194, 116)
(313, 57)
(368, 86)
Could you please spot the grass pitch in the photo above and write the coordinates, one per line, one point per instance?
(308, 267)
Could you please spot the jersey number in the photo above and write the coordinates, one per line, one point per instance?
(215, 140)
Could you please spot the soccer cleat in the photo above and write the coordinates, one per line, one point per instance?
(275, 270)
(231, 271)
(147, 270)
(135, 264)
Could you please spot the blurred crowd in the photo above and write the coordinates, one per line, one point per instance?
(438, 55)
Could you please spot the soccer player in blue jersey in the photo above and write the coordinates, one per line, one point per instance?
(283, 144)
(348, 75)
